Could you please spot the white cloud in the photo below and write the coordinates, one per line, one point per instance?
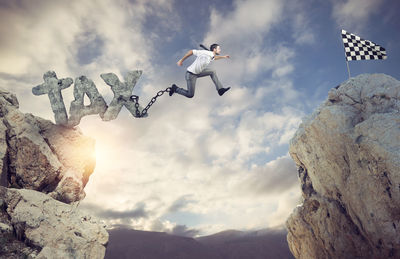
(274, 58)
(242, 33)
(303, 29)
(249, 20)
(270, 178)
(257, 134)
(354, 14)
(48, 35)
(287, 201)
(34, 36)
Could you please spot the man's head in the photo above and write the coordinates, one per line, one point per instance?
(215, 48)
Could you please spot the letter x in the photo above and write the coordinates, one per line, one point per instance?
(122, 93)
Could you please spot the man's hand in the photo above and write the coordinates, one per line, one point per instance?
(188, 54)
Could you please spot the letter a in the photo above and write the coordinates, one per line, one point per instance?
(83, 86)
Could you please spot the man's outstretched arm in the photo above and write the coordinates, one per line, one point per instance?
(221, 57)
(188, 54)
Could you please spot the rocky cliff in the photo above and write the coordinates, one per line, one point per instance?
(348, 158)
(43, 169)
(38, 155)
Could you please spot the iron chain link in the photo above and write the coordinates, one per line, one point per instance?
(135, 98)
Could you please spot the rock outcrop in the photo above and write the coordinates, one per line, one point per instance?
(348, 158)
(38, 155)
(43, 170)
(32, 224)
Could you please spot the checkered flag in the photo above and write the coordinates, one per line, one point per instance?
(357, 48)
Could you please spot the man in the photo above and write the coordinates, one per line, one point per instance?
(199, 68)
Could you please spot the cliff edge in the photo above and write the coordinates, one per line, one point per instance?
(43, 170)
(348, 158)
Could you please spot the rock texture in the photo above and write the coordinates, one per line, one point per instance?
(348, 155)
(33, 225)
(43, 167)
(36, 154)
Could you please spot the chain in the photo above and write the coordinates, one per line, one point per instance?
(135, 98)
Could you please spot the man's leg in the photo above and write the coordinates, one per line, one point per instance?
(191, 84)
(213, 74)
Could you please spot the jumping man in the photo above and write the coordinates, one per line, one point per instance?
(199, 68)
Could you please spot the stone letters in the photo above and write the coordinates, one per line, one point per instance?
(52, 86)
(83, 86)
(122, 93)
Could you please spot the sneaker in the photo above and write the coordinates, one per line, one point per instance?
(173, 89)
(223, 90)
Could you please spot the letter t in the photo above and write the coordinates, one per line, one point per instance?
(53, 86)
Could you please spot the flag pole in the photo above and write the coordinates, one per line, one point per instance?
(348, 68)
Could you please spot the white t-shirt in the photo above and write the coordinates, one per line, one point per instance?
(204, 57)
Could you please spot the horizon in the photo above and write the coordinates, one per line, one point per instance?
(268, 230)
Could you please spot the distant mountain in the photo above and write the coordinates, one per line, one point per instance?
(262, 244)
(231, 244)
(128, 243)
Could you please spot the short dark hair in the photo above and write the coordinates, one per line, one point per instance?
(213, 46)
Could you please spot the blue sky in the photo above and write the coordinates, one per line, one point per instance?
(202, 165)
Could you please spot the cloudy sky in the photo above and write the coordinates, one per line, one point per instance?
(202, 165)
